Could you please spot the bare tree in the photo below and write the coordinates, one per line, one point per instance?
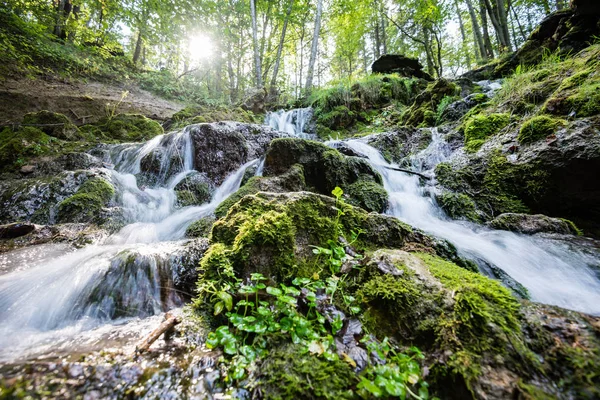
(314, 47)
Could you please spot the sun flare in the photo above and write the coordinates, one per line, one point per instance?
(200, 47)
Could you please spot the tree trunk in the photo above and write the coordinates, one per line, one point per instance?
(489, 49)
(377, 43)
(497, 15)
(281, 41)
(476, 31)
(382, 14)
(463, 34)
(138, 47)
(63, 9)
(314, 47)
(257, 67)
(523, 35)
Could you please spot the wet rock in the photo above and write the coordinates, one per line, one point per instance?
(256, 100)
(197, 189)
(16, 229)
(531, 224)
(200, 228)
(184, 265)
(325, 168)
(223, 147)
(398, 145)
(27, 169)
(399, 64)
(36, 199)
(458, 109)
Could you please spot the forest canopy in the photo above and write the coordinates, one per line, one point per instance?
(226, 47)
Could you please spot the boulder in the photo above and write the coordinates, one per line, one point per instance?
(396, 146)
(52, 124)
(423, 112)
(399, 64)
(531, 224)
(223, 147)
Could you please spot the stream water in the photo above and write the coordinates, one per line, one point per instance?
(57, 298)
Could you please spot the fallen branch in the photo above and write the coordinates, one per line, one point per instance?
(408, 171)
(166, 327)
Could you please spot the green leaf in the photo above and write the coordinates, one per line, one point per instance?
(212, 341)
(219, 306)
(227, 300)
(274, 291)
(248, 352)
(230, 347)
(337, 192)
(370, 387)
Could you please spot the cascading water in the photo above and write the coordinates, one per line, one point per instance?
(57, 298)
(552, 271)
(294, 122)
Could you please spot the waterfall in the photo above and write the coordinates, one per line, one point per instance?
(295, 122)
(552, 271)
(59, 295)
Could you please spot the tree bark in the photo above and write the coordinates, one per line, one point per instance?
(166, 327)
(497, 14)
(257, 67)
(476, 31)
(314, 47)
(281, 41)
(138, 47)
(489, 49)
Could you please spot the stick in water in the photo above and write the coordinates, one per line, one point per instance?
(408, 171)
(167, 325)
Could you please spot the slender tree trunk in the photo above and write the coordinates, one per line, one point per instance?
(382, 13)
(281, 41)
(63, 9)
(516, 17)
(314, 47)
(489, 49)
(377, 43)
(138, 47)
(264, 40)
(257, 66)
(476, 31)
(463, 34)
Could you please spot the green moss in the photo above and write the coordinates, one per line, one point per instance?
(200, 228)
(423, 112)
(289, 372)
(251, 187)
(368, 195)
(537, 128)
(130, 127)
(458, 205)
(16, 147)
(480, 127)
(206, 113)
(53, 124)
(84, 206)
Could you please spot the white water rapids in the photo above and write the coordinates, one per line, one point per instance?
(55, 296)
(552, 271)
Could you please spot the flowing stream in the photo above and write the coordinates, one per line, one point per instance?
(293, 121)
(60, 298)
(553, 271)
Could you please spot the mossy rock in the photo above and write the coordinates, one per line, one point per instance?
(85, 205)
(480, 127)
(289, 372)
(193, 190)
(423, 112)
(270, 233)
(16, 147)
(458, 205)
(537, 128)
(324, 168)
(53, 124)
(531, 224)
(368, 195)
(200, 228)
(130, 127)
(484, 331)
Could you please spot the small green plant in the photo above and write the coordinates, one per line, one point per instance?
(111, 109)
(538, 128)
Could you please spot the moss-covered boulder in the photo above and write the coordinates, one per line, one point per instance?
(130, 127)
(195, 189)
(52, 124)
(531, 224)
(479, 341)
(87, 203)
(325, 168)
(423, 112)
(271, 233)
(18, 146)
(458, 206)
